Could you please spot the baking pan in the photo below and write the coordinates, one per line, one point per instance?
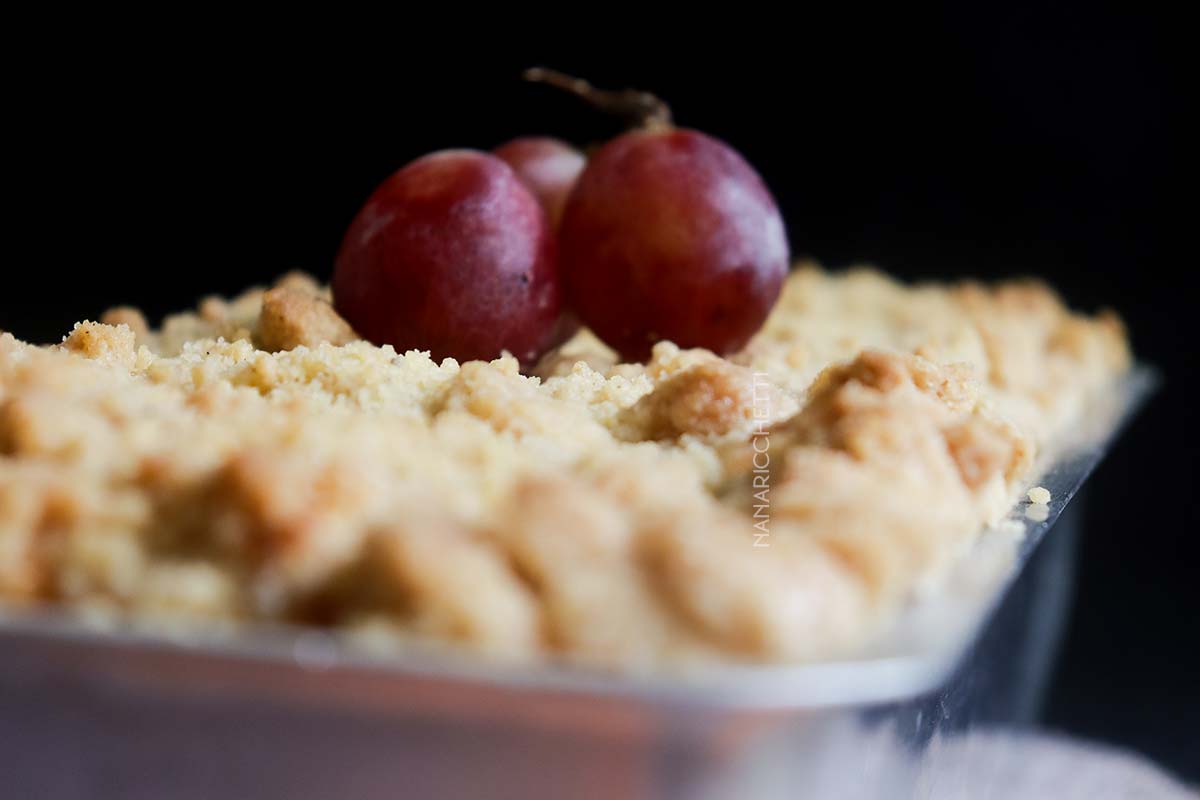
(292, 713)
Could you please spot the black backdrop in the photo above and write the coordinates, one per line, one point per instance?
(153, 171)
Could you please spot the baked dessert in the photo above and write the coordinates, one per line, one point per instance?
(253, 461)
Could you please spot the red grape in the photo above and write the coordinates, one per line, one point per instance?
(670, 234)
(451, 254)
(547, 166)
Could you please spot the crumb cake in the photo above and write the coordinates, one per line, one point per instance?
(255, 462)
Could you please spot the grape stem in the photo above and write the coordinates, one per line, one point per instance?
(646, 110)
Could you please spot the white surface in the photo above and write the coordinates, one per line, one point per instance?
(1008, 766)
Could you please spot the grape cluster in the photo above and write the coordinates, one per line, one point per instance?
(662, 233)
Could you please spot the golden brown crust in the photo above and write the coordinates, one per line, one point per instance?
(702, 395)
(250, 461)
(106, 344)
(294, 317)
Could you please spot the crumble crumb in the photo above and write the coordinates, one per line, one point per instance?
(297, 317)
(1037, 512)
(252, 461)
(1039, 494)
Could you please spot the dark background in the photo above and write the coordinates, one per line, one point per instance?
(151, 172)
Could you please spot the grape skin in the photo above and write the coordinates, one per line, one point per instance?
(451, 254)
(549, 167)
(671, 235)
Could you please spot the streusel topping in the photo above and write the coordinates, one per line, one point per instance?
(254, 461)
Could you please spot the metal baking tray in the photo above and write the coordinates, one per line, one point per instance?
(297, 713)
